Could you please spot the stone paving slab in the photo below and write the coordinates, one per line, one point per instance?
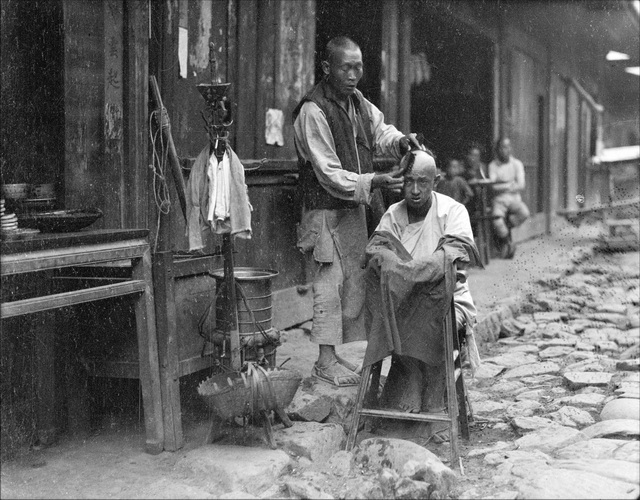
(599, 448)
(619, 427)
(563, 484)
(577, 380)
(547, 439)
(621, 408)
(532, 369)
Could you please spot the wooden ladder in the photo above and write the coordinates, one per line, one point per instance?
(458, 413)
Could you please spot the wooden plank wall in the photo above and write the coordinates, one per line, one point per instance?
(265, 49)
(105, 80)
(88, 182)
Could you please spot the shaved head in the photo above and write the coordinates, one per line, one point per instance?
(420, 177)
(338, 44)
(418, 157)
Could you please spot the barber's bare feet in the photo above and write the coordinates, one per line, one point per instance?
(411, 398)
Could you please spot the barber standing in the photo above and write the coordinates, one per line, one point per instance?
(337, 132)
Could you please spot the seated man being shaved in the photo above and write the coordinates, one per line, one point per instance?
(411, 279)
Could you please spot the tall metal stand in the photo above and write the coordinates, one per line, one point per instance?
(217, 118)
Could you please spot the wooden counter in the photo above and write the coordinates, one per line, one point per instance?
(54, 251)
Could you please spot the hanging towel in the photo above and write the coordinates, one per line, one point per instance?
(218, 175)
(199, 199)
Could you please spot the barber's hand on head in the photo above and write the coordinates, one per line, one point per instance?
(386, 181)
(409, 142)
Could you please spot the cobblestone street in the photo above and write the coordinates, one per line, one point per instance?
(563, 385)
(556, 408)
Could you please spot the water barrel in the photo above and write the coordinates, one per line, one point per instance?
(255, 283)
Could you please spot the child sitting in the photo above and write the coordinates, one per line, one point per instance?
(453, 185)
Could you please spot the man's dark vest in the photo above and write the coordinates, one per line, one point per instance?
(313, 194)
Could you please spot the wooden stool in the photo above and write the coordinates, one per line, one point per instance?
(458, 412)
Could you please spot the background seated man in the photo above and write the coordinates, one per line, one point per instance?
(410, 282)
(508, 172)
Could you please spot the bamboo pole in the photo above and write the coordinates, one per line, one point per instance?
(174, 162)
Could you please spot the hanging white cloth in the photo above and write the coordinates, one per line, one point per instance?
(219, 174)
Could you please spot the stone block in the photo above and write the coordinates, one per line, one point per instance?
(554, 352)
(361, 487)
(622, 408)
(561, 484)
(612, 307)
(498, 457)
(528, 424)
(511, 359)
(629, 451)
(595, 363)
(229, 468)
(532, 369)
(592, 448)
(546, 380)
(309, 407)
(589, 400)
(497, 446)
(612, 428)
(524, 408)
(619, 470)
(577, 380)
(568, 342)
(632, 365)
(584, 346)
(388, 479)
(549, 316)
(376, 453)
(340, 463)
(571, 416)
(307, 486)
(550, 438)
(411, 489)
(487, 406)
(525, 348)
(605, 346)
(488, 370)
(535, 395)
(506, 387)
(318, 442)
(619, 320)
(237, 495)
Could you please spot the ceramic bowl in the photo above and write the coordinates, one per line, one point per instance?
(60, 221)
(15, 191)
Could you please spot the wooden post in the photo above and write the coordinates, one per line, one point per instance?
(232, 313)
(148, 356)
(163, 282)
(135, 106)
(44, 341)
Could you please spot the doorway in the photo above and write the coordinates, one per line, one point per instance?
(32, 105)
(452, 94)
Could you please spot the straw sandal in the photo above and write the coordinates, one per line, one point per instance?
(339, 380)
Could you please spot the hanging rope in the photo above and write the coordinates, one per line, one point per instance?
(159, 164)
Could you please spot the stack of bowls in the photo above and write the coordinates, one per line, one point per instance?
(15, 191)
